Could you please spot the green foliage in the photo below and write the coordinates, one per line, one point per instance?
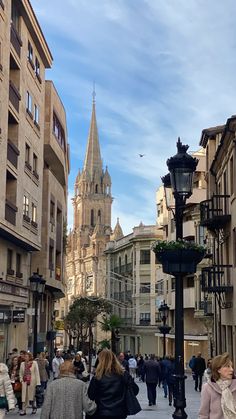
(162, 245)
(105, 343)
(110, 323)
(82, 315)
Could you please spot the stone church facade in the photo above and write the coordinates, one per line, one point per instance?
(86, 261)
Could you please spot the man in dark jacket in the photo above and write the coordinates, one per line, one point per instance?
(123, 361)
(152, 372)
(199, 368)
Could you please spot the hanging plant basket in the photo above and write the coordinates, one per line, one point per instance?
(178, 257)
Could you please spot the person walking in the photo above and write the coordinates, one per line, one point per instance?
(123, 362)
(79, 366)
(30, 379)
(14, 373)
(170, 379)
(56, 363)
(191, 365)
(132, 366)
(152, 374)
(218, 397)
(43, 366)
(66, 397)
(199, 368)
(108, 387)
(6, 389)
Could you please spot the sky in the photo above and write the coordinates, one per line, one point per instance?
(162, 69)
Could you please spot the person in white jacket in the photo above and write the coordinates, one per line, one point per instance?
(56, 363)
(132, 366)
(6, 389)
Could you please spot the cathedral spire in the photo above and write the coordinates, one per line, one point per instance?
(93, 161)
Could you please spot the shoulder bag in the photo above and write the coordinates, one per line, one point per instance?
(131, 401)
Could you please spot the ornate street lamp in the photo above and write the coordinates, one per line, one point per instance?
(37, 286)
(181, 168)
(164, 329)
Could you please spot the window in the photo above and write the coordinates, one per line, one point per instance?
(145, 318)
(34, 213)
(144, 288)
(58, 131)
(144, 257)
(26, 205)
(36, 114)
(29, 103)
(27, 156)
(15, 17)
(92, 218)
(18, 265)
(35, 164)
(96, 188)
(52, 211)
(159, 287)
(9, 259)
(51, 252)
(30, 53)
(37, 67)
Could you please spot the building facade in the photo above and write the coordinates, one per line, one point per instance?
(218, 216)
(24, 56)
(131, 286)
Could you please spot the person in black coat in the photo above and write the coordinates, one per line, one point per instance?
(152, 372)
(199, 368)
(107, 388)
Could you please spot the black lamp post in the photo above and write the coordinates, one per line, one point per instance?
(37, 286)
(181, 168)
(164, 329)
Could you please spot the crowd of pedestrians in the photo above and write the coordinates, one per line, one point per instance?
(23, 384)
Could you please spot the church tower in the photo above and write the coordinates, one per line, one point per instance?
(92, 220)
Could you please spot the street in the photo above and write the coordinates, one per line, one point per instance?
(161, 411)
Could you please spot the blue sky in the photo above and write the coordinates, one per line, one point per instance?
(163, 69)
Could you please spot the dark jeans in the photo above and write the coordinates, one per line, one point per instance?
(198, 381)
(152, 392)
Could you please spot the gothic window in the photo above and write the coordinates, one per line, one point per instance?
(99, 214)
(92, 218)
(96, 188)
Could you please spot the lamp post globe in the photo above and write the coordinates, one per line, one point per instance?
(164, 329)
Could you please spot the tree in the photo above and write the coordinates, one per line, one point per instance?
(81, 318)
(112, 324)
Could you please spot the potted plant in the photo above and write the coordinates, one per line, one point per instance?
(179, 256)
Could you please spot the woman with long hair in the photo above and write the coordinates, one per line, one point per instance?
(107, 388)
(14, 373)
(43, 365)
(218, 396)
(30, 379)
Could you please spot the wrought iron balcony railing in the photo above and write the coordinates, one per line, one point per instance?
(214, 212)
(217, 279)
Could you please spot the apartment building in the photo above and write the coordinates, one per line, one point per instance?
(218, 216)
(131, 286)
(196, 330)
(27, 174)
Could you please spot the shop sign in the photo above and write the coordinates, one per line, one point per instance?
(11, 289)
(18, 316)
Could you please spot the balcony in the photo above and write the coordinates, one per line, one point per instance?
(14, 96)
(217, 279)
(15, 40)
(12, 153)
(203, 308)
(10, 212)
(214, 212)
(144, 322)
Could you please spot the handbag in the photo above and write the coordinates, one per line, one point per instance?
(17, 387)
(3, 402)
(131, 401)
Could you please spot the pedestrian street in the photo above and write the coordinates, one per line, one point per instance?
(161, 411)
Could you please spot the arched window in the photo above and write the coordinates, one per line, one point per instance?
(99, 214)
(96, 188)
(92, 218)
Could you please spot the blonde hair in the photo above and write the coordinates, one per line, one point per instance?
(30, 356)
(218, 362)
(67, 368)
(108, 364)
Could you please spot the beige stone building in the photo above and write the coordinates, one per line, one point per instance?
(132, 286)
(91, 231)
(218, 216)
(197, 331)
(29, 158)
